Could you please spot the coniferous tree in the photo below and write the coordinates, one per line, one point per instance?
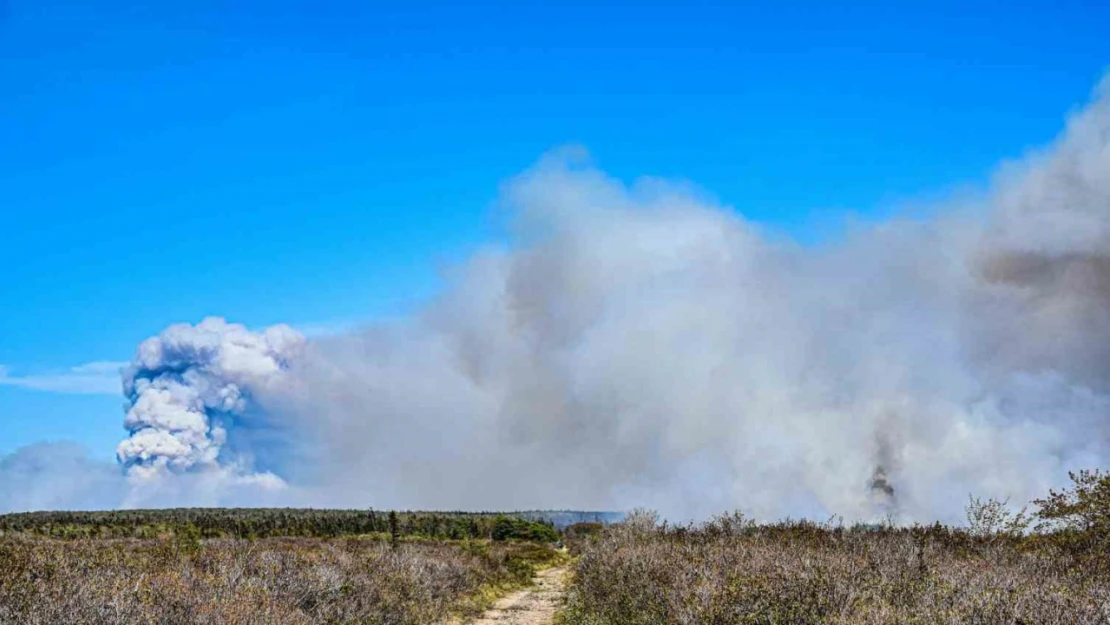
(394, 530)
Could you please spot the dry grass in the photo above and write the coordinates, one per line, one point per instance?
(293, 580)
(732, 572)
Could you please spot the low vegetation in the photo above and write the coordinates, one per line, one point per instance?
(1004, 568)
(263, 566)
(185, 579)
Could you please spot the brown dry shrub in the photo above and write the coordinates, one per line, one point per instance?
(733, 572)
(293, 580)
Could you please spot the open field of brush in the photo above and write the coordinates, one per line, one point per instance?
(87, 568)
(732, 572)
(1051, 566)
(1002, 567)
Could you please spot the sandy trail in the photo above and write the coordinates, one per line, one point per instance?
(532, 606)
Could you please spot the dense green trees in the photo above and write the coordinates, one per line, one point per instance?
(275, 522)
(506, 528)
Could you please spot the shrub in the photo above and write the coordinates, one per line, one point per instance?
(991, 518)
(588, 528)
(235, 581)
(507, 528)
(730, 571)
(1085, 507)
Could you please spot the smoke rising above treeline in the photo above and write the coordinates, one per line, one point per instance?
(643, 346)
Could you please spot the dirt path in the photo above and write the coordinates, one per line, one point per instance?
(532, 606)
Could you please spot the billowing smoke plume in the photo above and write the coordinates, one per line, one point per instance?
(188, 387)
(641, 345)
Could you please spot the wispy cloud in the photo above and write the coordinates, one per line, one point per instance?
(93, 378)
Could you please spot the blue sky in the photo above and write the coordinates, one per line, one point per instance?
(315, 163)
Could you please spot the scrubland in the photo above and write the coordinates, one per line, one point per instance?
(1001, 568)
(1051, 567)
(182, 578)
(733, 572)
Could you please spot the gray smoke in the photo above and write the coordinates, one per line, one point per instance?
(52, 476)
(641, 345)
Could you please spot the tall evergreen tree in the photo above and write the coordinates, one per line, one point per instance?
(394, 530)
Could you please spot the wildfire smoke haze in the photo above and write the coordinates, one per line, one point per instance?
(640, 345)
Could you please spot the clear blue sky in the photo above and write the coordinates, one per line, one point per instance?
(313, 162)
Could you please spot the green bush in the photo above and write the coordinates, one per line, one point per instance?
(1084, 507)
(513, 528)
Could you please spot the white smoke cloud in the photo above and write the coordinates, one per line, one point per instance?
(188, 387)
(642, 345)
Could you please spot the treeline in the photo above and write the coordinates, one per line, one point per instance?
(275, 522)
(565, 518)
